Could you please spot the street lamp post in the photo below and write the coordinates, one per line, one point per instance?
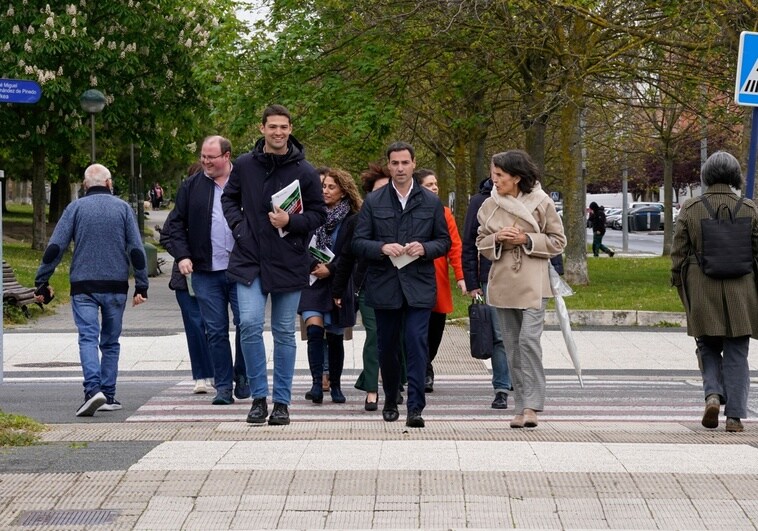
(92, 101)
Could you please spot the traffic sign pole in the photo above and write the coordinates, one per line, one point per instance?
(750, 177)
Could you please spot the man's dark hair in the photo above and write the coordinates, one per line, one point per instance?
(275, 110)
(323, 170)
(519, 164)
(223, 143)
(722, 168)
(423, 172)
(401, 146)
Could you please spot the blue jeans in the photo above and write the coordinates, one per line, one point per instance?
(408, 326)
(197, 341)
(252, 305)
(214, 294)
(501, 376)
(99, 374)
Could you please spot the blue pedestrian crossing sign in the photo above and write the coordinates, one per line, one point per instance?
(746, 87)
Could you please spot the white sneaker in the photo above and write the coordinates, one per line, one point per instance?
(200, 387)
(111, 404)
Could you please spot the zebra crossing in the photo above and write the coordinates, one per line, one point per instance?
(464, 398)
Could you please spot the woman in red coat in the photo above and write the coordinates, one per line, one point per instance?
(444, 305)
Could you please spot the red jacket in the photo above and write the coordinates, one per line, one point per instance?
(444, 294)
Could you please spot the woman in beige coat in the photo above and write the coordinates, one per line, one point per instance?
(519, 231)
(722, 313)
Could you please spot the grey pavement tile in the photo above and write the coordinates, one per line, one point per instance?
(528, 485)
(125, 505)
(161, 519)
(398, 482)
(12, 483)
(583, 522)
(396, 519)
(441, 482)
(741, 487)
(202, 521)
(220, 482)
(145, 475)
(620, 509)
(487, 516)
(311, 482)
(397, 503)
(312, 502)
(303, 519)
(613, 485)
(631, 523)
(703, 486)
(256, 520)
(484, 483)
(675, 513)
(171, 503)
(352, 503)
(262, 502)
(572, 485)
(269, 481)
(355, 482)
(442, 514)
(217, 504)
(349, 520)
(530, 512)
(657, 486)
(723, 514)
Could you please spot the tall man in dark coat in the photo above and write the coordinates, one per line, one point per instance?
(270, 256)
(401, 229)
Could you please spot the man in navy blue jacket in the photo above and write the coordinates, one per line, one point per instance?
(401, 229)
(270, 255)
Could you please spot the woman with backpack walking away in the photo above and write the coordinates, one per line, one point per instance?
(720, 298)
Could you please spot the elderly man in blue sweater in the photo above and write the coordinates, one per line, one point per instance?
(107, 239)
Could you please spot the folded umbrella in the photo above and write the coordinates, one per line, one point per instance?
(561, 289)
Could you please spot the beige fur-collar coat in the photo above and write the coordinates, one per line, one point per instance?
(519, 274)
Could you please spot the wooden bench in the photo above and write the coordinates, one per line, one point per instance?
(15, 293)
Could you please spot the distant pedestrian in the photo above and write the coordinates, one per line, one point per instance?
(476, 270)
(597, 219)
(722, 313)
(156, 196)
(107, 243)
(520, 230)
(201, 243)
(444, 304)
(401, 230)
(270, 257)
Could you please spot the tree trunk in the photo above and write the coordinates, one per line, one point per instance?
(39, 171)
(573, 187)
(60, 191)
(461, 177)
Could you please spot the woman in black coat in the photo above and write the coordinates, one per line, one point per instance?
(316, 304)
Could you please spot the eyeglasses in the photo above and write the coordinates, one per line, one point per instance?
(208, 158)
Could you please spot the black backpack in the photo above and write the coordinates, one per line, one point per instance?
(727, 244)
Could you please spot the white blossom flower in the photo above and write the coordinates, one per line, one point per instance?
(47, 34)
(28, 70)
(93, 81)
(50, 21)
(55, 36)
(28, 47)
(164, 59)
(30, 30)
(83, 3)
(73, 22)
(99, 43)
(112, 45)
(60, 71)
(73, 32)
(7, 47)
(174, 131)
(16, 30)
(21, 63)
(71, 10)
(188, 43)
(52, 106)
(131, 3)
(130, 88)
(169, 74)
(191, 147)
(47, 9)
(109, 98)
(10, 12)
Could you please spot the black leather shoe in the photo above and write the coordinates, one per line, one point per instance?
(400, 399)
(370, 406)
(316, 394)
(390, 413)
(501, 400)
(429, 384)
(414, 420)
(258, 412)
(280, 416)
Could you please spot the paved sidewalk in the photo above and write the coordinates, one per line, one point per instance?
(627, 451)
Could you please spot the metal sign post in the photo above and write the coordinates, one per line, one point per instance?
(13, 91)
(746, 93)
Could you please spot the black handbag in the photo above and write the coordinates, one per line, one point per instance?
(480, 329)
(727, 246)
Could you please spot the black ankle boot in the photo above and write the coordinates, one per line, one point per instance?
(336, 362)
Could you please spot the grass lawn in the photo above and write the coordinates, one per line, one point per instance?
(615, 284)
(17, 430)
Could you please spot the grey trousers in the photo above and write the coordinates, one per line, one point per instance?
(522, 330)
(726, 371)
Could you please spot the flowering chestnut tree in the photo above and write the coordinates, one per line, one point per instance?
(142, 55)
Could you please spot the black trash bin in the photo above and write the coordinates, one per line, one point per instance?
(644, 218)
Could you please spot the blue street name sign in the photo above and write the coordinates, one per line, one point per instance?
(19, 91)
(746, 86)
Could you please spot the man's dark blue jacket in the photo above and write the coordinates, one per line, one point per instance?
(283, 264)
(381, 220)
